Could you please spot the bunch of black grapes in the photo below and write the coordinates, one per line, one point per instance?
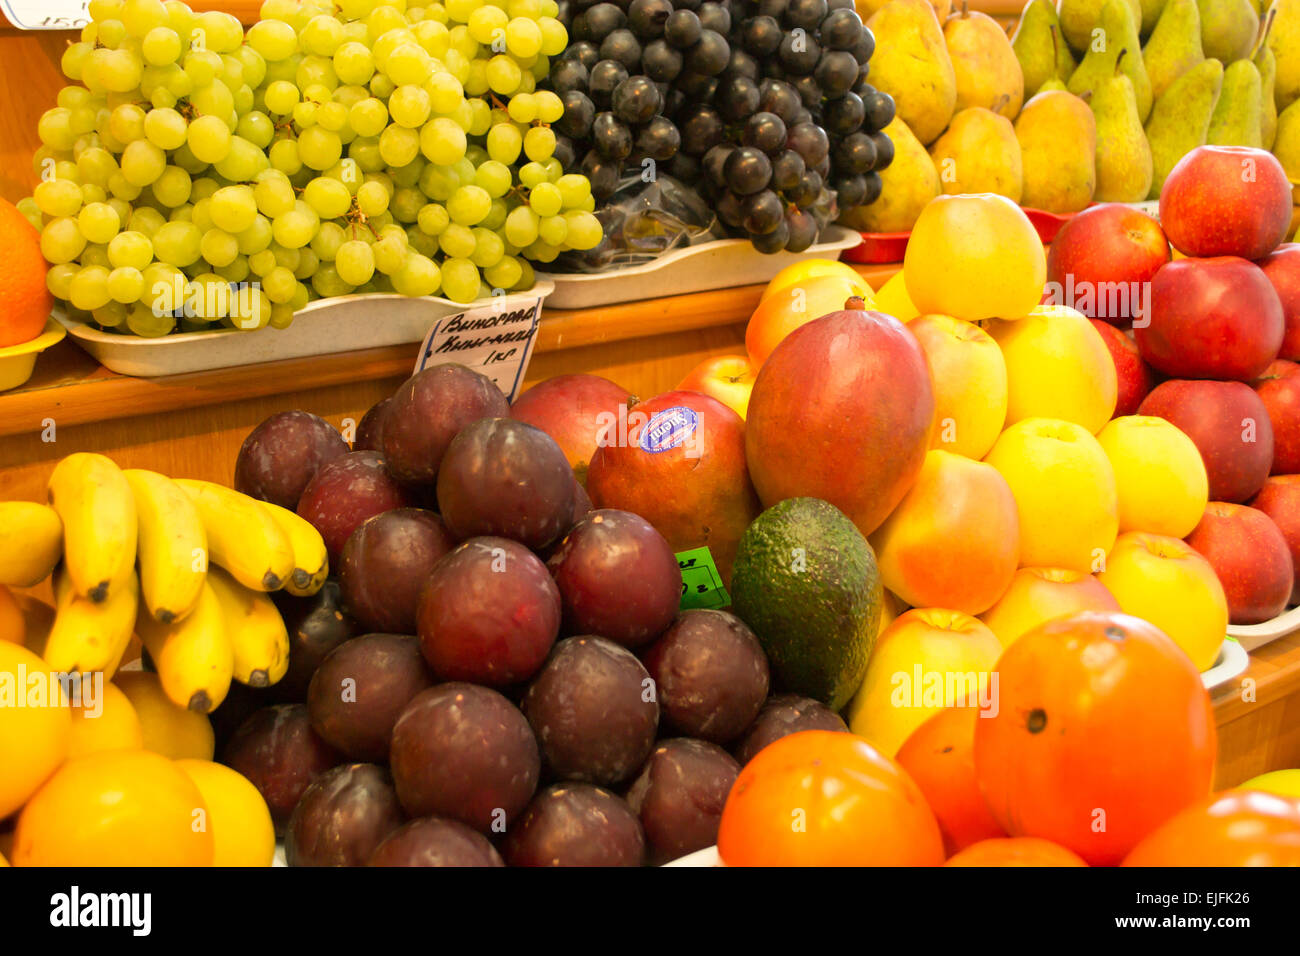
(762, 106)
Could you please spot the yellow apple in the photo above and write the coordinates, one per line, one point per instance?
(1159, 475)
(1038, 595)
(728, 378)
(892, 299)
(970, 384)
(811, 268)
(1165, 581)
(1284, 783)
(928, 659)
(1058, 366)
(1065, 493)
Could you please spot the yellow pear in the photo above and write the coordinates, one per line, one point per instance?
(988, 73)
(867, 8)
(1057, 179)
(911, 64)
(979, 154)
(1284, 41)
(907, 186)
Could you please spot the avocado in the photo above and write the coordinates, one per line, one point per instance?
(805, 581)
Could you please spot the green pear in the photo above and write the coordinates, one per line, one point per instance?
(1174, 46)
(911, 64)
(1116, 31)
(1124, 166)
(1057, 180)
(1055, 83)
(1236, 117)
(1266, 61)
(979, 153)
(1287, 145)
(1151, 12)
(1284, 41)
(907, 186)
(984, 63)
(1180, 118)
(1080, 19)
(1228, 29)
(1040, 46)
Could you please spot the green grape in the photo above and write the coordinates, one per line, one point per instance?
(418, 275)
(256, 238)
(165, 128)
(304, 114)
(74, 59)
(542, 251)
(274, 39)
(584, 230)
(314, 70)
(399, 145)
(119, 206)
(460, 40)
(31, 212)
(434, 37)
(149, 323)
(533, 175)
(476, 81)
(99, 222)
(521, 226)
(327, 241)
(201, 215)
(488, 248)
(163, 98)
(243, 162)
(209, 139)
(89, 288)
(126, 123)
(546, 200)
(55, 129)
(281, 316)
(505, 274)
(125, 284)
(95, 255)
(383, 19)
(119, 71)
(350, 95)
(333, 117)
(381, 86)
(408, 64)
(421, 241)
(588, 204)
(406, 204)
(539, 143)
(236, 271)
(527, 277)
(554, 37)
(215, 99)
(390, 253)
(529, 9)
(355, 262)
(527, 82)
(552, 230)
(550, 108)
(522, 108)
(295, 228)
(145, 220)
(110, 315)
(496, 217)
(504, 143)
(208, 297)
(353, 63)
(503, 75)
(445, 92)
(523, 37)
(58, 279)
(257, 128)
(202, 66)
(439, 182)
(250, 308)
(284, 158)
(173, 187)
(183, 213)
(322, 36)
(224, 32)
(254, 65)
(442, 141)
(549, 8)
(457, 241)
(319, 148)
(262, 263)
(368, 117)
(279, 285)
(460, 280)
(58, 197)
(410, 106)
(92, 193)
(327, 282)
(469, 205)
(130, 250)
(281, 97)
(573, 189)
(232, 73)
(205, 187)
(484, 23)
(234, 208)
(461, 10)
(433, 219)
(494, 178)
(372, 198)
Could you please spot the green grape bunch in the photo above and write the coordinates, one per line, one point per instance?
(195, 176)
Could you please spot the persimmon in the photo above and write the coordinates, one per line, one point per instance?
(819, 798)
(940, 757)
(1016, 851)
(1234, 828)
(1103, 732)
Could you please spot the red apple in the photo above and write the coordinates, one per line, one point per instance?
(1211, 318)
(1226, 201)
(1279, 390)
(1135, 377)
(1102, 259)
(1280, 500)
(573, 410)
(728, 378)
(1251, 558)
(1282, 266)
(1229, 426)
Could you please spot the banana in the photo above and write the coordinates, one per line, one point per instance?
(311, 562)
(172, 545)
(87, 636)
(95, 503)
(242, 536)
(257, 633)
(31, 543)
(193, 656)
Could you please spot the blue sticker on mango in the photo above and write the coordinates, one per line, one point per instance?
(668, 429)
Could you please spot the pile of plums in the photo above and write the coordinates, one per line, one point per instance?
(497, 673)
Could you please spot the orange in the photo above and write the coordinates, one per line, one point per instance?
(110, 723)
(242, 831)
(13, 627)
(940, 757)
(1016, 851)
(1235, 828)
(819, 798)
(118, 808)
(1103, 732)
(168, 730)
(975, 256)
(35, 725)
(25, 302)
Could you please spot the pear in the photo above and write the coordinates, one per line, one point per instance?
(1180, 119)
(1284, 41)
(1056, 179)
(907, 186)
(1266, 61)
(867, 8)
(979, 154)
(988, 73)
(1174, 46)
(1080, 18)
(1151, 13)
(1124, 166)
(912, 65)
(1228, 29)
(1116, 31)
(1040, 46)
(1236, 117)
(1287, 145)
(1055, 83)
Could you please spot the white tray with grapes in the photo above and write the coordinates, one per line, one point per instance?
(323, 327)
(720, 264)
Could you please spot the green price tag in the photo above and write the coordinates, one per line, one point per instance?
(701, 583)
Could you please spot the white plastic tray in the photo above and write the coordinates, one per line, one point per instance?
(1230, 663)
(721, 264)
(1251, 636)
(324, 327)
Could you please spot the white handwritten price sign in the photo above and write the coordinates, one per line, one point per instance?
(495, 340)
(46, 14)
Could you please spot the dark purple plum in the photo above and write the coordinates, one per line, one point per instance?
(782, 715)
(679, 796)
(316, 625)
(280, 456)
(489, 613)
(427, 412)
(594, 712)
(618, 578)
(360, 689)
(370, 430)
(385, 564)
(710, 673)
(465, 752)
(435, 841)
(342, 817)
(505, 478)
(347, 491)
(576, 824)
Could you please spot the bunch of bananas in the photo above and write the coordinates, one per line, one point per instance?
(185, 565)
